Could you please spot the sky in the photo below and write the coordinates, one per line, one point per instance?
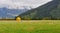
(11, 4)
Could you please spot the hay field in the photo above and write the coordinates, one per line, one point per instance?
(30, 26)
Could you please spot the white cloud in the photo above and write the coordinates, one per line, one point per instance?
(19, 3)
(12, 14)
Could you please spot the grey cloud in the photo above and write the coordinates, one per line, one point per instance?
(18, 3)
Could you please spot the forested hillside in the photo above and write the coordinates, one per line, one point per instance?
(51, 10)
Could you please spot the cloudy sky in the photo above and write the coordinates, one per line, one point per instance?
(19, 3)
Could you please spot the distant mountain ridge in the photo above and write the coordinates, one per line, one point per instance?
(44, 11)
(11, 13)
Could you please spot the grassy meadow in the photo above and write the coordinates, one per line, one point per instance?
(27, 26)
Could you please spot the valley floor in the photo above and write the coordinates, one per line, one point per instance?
(30, 26)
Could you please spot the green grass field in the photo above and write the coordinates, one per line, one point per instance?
(40, 26)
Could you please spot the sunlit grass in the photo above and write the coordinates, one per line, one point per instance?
(42, 26)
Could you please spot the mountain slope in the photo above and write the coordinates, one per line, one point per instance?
(11, 13)
(42, 12)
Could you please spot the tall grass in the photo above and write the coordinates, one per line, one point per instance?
(42, 26)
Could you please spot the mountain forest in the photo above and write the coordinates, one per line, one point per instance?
(48, 11)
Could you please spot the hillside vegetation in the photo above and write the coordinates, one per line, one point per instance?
(51, 10)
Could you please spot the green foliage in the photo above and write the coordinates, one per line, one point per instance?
(46, 18)
(50, 10)
(56, 12)
(30, 16)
